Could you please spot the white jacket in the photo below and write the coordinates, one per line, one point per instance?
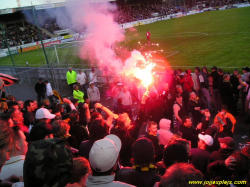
(49, 90)
(81, 78)
(92, 77)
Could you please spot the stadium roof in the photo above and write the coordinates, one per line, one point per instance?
(11, 6)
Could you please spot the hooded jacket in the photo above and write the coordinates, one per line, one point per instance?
(164, 133)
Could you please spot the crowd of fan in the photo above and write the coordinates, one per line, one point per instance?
(80, 142)
(217, 3)
(134, 13)
(21, 34)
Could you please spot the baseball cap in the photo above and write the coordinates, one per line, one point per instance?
(228, 141)
(104, 153)
(44, 113)
(40, 79)
(246, 69)
(91, 83)
(143, 150)
(214, 67)
(119, 84)
(207, 139)
(42, 129)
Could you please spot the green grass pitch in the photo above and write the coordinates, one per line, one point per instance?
(220, 38)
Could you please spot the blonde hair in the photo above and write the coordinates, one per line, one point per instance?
(3, 106)
(63, 128)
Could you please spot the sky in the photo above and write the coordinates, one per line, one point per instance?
(4, 4)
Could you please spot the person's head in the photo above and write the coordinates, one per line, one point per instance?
(91, 84)
(80, 71)
(16, 115)
(29, 105)
(236, 72)
(185, 143)
(179, 89)
(104, 154)
(12, 104)
(40, 81)
(226, 142)
(175, 153)
(59, 107)
(179, 175)
(214, 68)
(224, 110)
(174, 137)
(178, 98)
(123, 120)
(35, 104)
(93, 69)
(3, 106)
(179, 71)
(76, 87)
(245, 69)
(70, 69)
(152, 127)
(80, 171)
(86, 99)
(73, 116)
(119, 86)
(192, 96)
(74, 101)
(205, 141)
(98, 129)
(197, 70)
(57, 113)
(143, 152)
(5, 142)
(19, 144)
(20, 104)
(63, 128)
(226, 77)
(95, 115)
(42, 114)
(187, 121)
(10, 98)
(204, 69)
(165, 124)
(166, 86)
(46, 102)
(46, 82)
(220, 71)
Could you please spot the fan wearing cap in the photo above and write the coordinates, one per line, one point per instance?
(103, 159)
(143, 173)
(220, 163)
(115, 92)
(199, 156)
(246, 84)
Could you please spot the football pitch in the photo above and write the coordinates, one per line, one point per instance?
(220, 38)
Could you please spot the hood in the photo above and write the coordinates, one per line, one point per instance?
(189, 72)
(165, 124)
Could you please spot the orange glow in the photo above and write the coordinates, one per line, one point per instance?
(145, 74)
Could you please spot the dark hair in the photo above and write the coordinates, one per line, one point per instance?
(224, 107)
(179, 175)
(11, 104)
(220, 70)
(198, 69)
(5, 117)
(85, 97)
(98, 129)
(178, 95)
(27, 103)
(94, 115)
(180, 70)
(11, 112)
(79, 169)
(10, 97)
(46, 81)
(175, 153)
(184, 119)
(150, 124)
(204, 67)
(59, 107)
(39, 105)
(55, 111)
(73, 115)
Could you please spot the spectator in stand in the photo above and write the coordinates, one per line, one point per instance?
(79, 172)
(103, 158)
(40, 89)
(220, 79)
(49, 92)
(179, 111)
(178, 77)
(143, 173)
(115, 92)
(119, 108)
(168, 98)
(93, 77)
(236, 86)
(164, 134)
(199, 156)
(244, 78)
(82, 80)
(196, 81)
(204, 83)
(77, 94)
(93, 94)
(19, 148)
(3, 107)
(71, 78)
(12, 104)
(20, 105)
(180, 174)
(226, 91)
(10, 98)
(126, 100)
(220, 162)
(152, 135)
(195, 108)
(29, 114)
(187, 82)
(216, 94)
(17, 118)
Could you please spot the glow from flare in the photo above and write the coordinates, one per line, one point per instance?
(145, 74)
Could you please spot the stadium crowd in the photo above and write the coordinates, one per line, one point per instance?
(17, 34)
(170, 142)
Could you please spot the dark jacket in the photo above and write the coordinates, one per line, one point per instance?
(28, 118)
(155, 110)
(85, 147)
(216, 168)
(40, 88)
(190, 135)
(158, 148)
(138, 178)
(191, 107)
(235, 82)
(215, 76)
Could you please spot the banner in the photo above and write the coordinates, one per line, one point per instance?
(68, 36)
(12, 52)
(65, 31)
(67, 40)
(51, 43)
(3, 54)
(30, 48)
